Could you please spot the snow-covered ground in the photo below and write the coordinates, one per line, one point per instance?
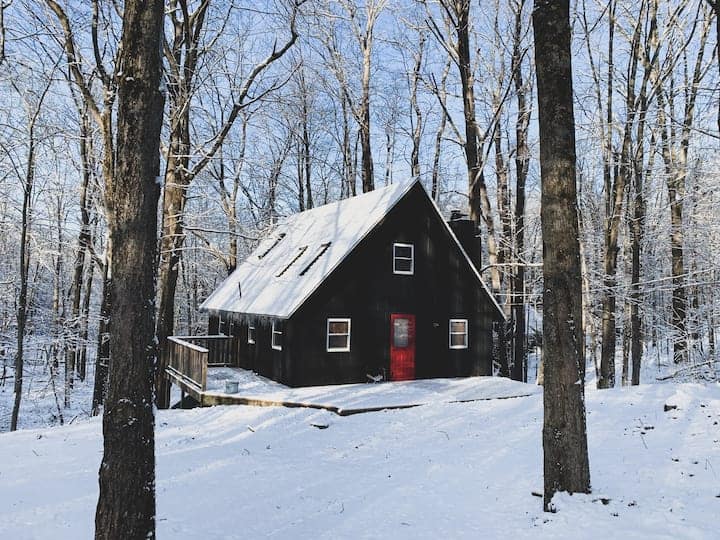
(443, 470)
(352, 398)
(43, 399)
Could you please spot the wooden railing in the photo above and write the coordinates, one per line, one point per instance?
(188, 357)
(220, 348)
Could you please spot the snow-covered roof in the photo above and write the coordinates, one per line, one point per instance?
(285, 268)
(280, 274)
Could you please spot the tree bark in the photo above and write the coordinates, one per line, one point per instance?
(675, 157)
(439, 134)
(715, 5)
(306, 145)
(72, 350)
(418, 123)
(368, 175)
(480, 210)
(613, 219)
(126, 505)
(22, 302)
(102, 356)
(84, 321)
(522, 162)
(566, 465)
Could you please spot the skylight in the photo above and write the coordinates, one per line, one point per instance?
(293, 261)
(323, 249)
(275, 243)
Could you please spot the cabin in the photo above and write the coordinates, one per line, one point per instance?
(371, 288)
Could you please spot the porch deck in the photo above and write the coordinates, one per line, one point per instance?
(348, 399)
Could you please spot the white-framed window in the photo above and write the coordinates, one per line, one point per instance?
(403, 259)
(338, 335)
(251, 335)
(458, 333)
(277, 336)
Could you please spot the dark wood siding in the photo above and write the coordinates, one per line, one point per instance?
(259, 356)
(365, 289)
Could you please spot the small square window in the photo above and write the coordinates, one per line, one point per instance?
(403, 259)
(458, 334)
(401, 333)
(277, 337)
(251, 334)
(338, 335)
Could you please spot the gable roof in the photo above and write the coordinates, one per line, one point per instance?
(268, 287)
(289, 265)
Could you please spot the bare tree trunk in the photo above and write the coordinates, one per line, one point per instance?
(637, 231)
(625, 376)
(229, 196)
(715, 5)
(418, 119)
(348, 169)
(126, 505)
(300, 175)
(389, 152)
(711, 334)
(84, 321)
(606, 377)
(676, 169)
(102, 356)
(177, 183)
(716, 8)
(522, 163)
(58, 303)
(637, 227)
(613, 220)
(442, 96)
(368, 176)
(71, 351)
(566, 462)
(22, 301)
(480, 210)
(306, 149)
(2, 32)
(33, 112)
(506, 241)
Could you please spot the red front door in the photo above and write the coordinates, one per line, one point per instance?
(402, 347)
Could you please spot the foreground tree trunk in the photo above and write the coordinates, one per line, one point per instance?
(566, 466)
(126, 506)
